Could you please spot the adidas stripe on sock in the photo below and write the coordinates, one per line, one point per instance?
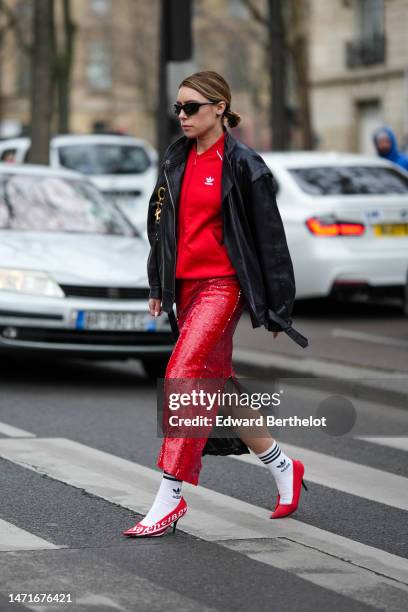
(167, 498)
(281, 468)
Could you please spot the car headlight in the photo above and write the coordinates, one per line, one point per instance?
(29, 281)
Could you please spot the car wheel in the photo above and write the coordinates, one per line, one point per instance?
(155, 368)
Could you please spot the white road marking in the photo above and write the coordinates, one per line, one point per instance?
(365, 337)
(392, 442)
(212, 516)
(353, 478)
(94, 584)
(13, 538)
(317, 367)
(14, 432)
(325, 571)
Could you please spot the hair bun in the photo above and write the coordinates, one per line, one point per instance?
(233, 118)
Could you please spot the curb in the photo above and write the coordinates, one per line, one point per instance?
(380, 386)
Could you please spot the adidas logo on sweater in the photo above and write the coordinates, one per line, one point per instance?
(209, 180)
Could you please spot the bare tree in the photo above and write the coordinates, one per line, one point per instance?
(50, 49)
(63, 66)
(11, 23)
(298, 47)
(275, 48)
(145, 51)
(228, 45)
(286, 36)
(43, 62)
(278, 71)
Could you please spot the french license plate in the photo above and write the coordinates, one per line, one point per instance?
(114, 321)
(391, 229)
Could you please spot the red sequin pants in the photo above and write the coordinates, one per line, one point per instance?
(208, 311)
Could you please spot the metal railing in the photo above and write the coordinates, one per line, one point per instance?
(365, 51)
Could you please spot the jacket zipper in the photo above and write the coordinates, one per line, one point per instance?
(174, 225)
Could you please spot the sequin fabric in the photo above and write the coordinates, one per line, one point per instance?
(208, 311)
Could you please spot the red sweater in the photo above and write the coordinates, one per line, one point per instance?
(200, 253)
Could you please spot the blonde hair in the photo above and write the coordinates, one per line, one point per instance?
(216, 89)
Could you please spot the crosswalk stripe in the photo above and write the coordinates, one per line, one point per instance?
(392, 442)
(14, 432)
(345, 476)
(12, 538)
(212, 517)
(325, 571)
(93, 585)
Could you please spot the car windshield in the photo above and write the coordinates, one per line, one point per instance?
(350, 180)
(104, 158)
(55, 204)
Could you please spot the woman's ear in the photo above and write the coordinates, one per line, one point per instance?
(221, 106)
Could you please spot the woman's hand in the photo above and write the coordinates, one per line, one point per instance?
(155, 307)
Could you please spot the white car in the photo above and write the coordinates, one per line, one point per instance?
(346, 221)
(73, 278)
(123, 167)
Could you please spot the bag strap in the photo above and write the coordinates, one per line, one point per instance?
(173, 324)
(288, 329)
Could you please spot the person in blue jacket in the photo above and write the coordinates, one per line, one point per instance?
(386, 144)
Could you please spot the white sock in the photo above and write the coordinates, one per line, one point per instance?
(167, 498)
(281, 468)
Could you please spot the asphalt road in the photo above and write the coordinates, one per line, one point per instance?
(372, 335)
(79, 467)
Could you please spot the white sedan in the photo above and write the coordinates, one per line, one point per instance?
(346, 222)
(73, 277)
(123, 167)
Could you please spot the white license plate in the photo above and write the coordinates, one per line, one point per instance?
(114, 321)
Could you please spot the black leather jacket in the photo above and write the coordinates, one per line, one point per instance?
(253, 234)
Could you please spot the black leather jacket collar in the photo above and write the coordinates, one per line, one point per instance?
(253, 234)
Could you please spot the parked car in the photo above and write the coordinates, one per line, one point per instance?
(124, 168)
(346, 220)
(73, 277)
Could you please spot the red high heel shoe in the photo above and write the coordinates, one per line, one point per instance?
(282, 510)
(159, 528)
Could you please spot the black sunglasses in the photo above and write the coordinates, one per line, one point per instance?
(190, 108)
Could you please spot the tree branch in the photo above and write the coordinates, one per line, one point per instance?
(255, 12)
(12, 22)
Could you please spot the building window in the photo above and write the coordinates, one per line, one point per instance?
(238, 9)
(101, 7)
(99, 67)
(368, 47)
(197, 8)
(370, 18)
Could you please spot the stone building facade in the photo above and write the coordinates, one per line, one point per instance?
(357, 56)
(114, 77)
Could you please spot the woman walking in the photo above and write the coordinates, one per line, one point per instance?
(217, 245)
